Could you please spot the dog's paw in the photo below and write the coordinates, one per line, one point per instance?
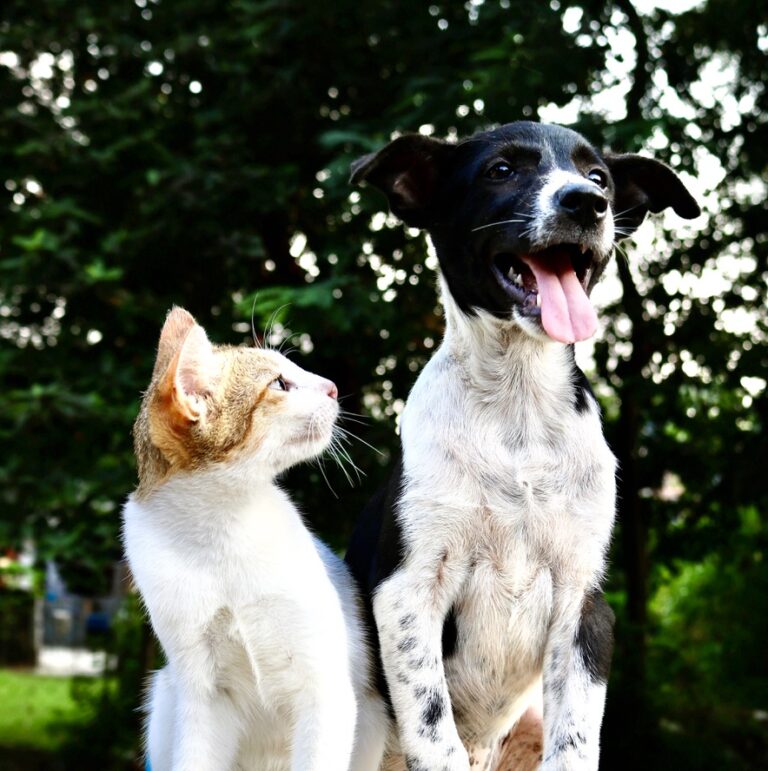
(452, 757)
(570, 763)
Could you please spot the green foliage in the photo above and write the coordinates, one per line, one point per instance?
(197, 153)
(38, 712)
(190, 150)
(714, 614)
(16, 623)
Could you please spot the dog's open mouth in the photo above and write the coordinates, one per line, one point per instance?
(552, 283)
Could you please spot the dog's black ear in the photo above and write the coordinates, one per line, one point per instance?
(408, 172)
(643, 185)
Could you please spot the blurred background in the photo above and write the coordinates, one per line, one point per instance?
(196, 152)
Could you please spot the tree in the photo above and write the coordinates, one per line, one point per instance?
(198, 152)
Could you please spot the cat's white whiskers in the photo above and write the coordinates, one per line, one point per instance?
(269, 328)
(351, 417)
(256, 342)
(348, 434)
(320, 463)
(337, 451)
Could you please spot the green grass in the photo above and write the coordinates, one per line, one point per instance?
(37, 712)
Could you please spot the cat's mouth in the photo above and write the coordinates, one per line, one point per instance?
(316, 431)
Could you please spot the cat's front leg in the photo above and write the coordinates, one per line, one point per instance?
(324, 728)
(208, 726)
(576, 666)
(410, 607)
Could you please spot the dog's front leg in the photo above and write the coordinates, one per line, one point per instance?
(576, 665)
(410, 607)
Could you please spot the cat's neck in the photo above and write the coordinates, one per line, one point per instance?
(221, 492)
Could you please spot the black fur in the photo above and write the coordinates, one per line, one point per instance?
(376, 547)
(433, 710)
(375, 550)
(582, 390)
(594, 638)
(450, 634)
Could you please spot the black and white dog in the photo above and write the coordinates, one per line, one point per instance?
(483, 557)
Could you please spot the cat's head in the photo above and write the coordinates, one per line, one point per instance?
(207, 404)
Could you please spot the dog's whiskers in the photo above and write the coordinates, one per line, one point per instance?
(623, 252)
(500, 222)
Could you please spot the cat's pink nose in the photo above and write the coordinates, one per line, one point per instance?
(330, 388)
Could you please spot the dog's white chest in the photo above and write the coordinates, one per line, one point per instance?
(518, 502)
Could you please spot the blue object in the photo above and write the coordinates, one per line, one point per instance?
(97, 622)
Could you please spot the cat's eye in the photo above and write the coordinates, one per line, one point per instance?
(279, 384)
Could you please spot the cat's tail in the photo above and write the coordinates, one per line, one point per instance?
(161, 707)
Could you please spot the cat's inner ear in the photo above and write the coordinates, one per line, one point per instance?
(191, 376)
(177, 325)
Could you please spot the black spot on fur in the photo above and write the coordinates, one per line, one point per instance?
(562, 746)
(556, 687)
(594, 638)
(434, 710)
(417, 662)
(413, 764)
(408, 644)
(407, 620)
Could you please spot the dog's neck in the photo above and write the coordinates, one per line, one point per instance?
(499, 358)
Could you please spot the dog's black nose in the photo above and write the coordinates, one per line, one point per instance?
(582, 203)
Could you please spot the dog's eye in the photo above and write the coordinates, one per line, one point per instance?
(500, 170)
(599, 177)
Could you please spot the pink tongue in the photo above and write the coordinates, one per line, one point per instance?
(566, 313)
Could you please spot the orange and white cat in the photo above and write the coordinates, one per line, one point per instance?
(268, 666)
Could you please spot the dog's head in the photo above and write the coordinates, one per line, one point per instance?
(523, 218)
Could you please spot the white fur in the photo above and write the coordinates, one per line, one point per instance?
(547, 228)
(268, 667)
(506, 513)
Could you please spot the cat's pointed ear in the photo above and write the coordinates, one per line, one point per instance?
(191, 372)
(177, 324)
(646, 185)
